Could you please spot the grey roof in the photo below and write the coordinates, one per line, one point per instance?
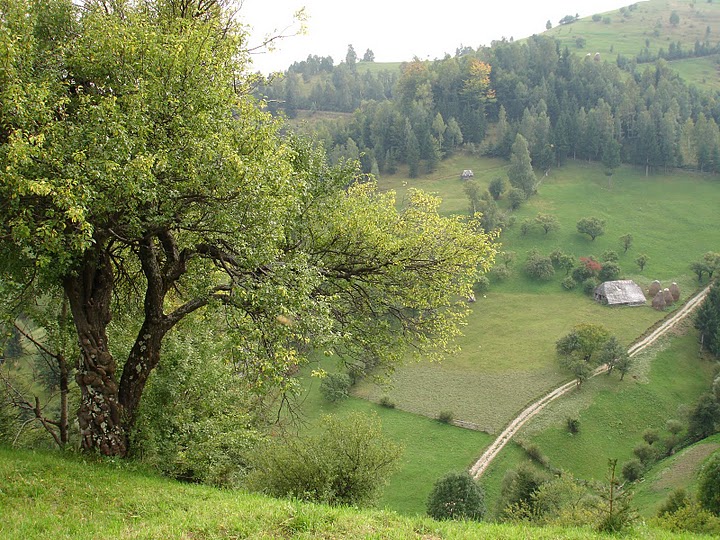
(624, 291)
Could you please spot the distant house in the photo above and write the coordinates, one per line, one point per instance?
(467, 174)
(624, 292)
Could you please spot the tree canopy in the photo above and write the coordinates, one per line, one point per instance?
(139, 175)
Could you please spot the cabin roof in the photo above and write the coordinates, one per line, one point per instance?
(624, 291)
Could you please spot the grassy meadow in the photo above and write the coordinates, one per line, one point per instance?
(628, 31)
(678, 471)
(508, 347)
(55, 496)
(507, 357)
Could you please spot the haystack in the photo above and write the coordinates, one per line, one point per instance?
(655, 287)
(659, 301)
(667, 295)
(675, 291)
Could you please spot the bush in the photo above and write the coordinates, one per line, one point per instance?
(456, 496)
(609, 255)
(589, 285)
(539, 267)
(535, 454)
(674, 502)
(632, 470)
(651, 436)
(482, 285)
(568, 283)
(446, 417)
(572, 424)
(496, 187)
(709, 487)
(690, 518)
(581, 273)
(674, 426)
(645, 453)
(346, 463)
(516, 197)
(335, 386)
(386, 402)
(206, 436)
(609, 272)
(500, 273)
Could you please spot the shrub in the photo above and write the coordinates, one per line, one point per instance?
(386, 402)
(704, 417)
(516, 197)
(609, 272)
(335, 386)
(632, 470)
(535, 454)
(589, 285)
(674, 426)
(691, 518)
(208, 435)
(456, 496)
(497, 187)
(539, 267)
(581, 273)
(446, 417)
(651, 436)
(500, 273)
(609, 255)
(568, 283)
(482, 285)
(346, 463)
(645, 453)
(674, 502)
(709, 487)
(572, 424)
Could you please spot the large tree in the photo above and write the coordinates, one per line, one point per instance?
(520, 173)
(136, 173)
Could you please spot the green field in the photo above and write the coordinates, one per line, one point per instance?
(53, 496)
(507, 357)
(678, 471)
(508, 348)
(648, 24)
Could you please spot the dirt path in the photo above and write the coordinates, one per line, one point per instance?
(494, 449)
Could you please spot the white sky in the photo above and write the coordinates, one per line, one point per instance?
(400, 30)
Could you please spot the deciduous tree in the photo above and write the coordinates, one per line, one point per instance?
(591, 226)
(137, 172)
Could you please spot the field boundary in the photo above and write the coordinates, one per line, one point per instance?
(514, 426)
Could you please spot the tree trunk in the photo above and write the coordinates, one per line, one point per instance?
(89, 293)
(143, 358)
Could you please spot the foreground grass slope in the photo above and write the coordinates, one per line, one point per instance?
(51, 496)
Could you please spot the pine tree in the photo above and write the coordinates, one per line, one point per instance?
(521, 173)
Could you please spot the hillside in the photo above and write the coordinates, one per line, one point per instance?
(50, 496)
(644, 29)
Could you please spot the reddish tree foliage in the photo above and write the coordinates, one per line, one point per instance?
(591, 265)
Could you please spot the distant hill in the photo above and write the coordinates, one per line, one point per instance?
(644, 32)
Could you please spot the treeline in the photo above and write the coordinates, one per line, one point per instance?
(565, 106)
(317, 84)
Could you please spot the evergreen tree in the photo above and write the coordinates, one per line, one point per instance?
(521, 173)
(412, 151)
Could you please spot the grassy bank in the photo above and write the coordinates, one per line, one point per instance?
(50, 496)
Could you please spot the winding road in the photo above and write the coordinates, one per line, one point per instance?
(514, 426)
